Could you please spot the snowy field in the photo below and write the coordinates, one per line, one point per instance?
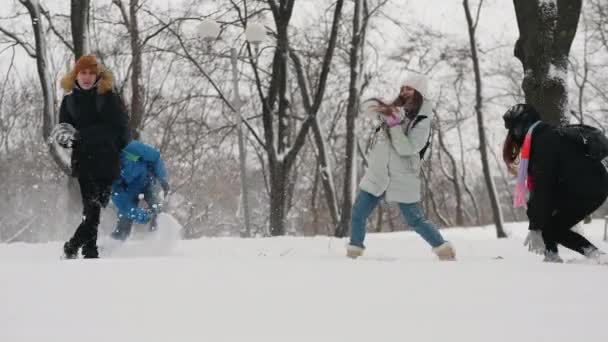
(304, 289)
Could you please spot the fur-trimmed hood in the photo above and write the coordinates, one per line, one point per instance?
(104, 76)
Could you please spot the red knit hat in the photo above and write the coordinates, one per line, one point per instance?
(86, 62)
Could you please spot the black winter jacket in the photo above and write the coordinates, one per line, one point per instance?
(102, 132)
(560, 170)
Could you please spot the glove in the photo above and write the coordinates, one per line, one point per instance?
(535, 242)
(392, 120)
(166, 188)
(64, 134)
(140, 216)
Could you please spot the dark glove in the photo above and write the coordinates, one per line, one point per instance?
(166, 188)
(140, 216)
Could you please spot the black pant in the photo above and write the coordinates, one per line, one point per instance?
(570, 212)
(95, 194)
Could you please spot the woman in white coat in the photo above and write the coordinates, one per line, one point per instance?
(394, 166)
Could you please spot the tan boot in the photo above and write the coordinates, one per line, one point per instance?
(354, 252)
(445, 251)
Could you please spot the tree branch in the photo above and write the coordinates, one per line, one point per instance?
(47, 15)
(29, 49)
(331, 46)
(123, 13)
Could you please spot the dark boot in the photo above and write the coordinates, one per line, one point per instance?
(89, 251)
(123, 229)
(70, 251)
(153, 225)
(554, 257)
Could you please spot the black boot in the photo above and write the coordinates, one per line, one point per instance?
(70, 251)
(153, 225)
(89, 251)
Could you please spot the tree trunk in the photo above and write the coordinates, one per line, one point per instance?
(137, 101)
(49, 117)
(278, 192)
(313, 204)
(348, 191)
(435, 207)
(79, 18)
(454, 177)
(327, 178)
(467, 188)
(483, 148)
(391, 220)
(380, 211)
(546, 32)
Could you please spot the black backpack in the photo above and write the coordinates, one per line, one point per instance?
(427, 145)
(593, 142)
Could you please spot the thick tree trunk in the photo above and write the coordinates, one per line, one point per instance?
(79, 18)
(278, 164)
(278, 192)
(546, 32)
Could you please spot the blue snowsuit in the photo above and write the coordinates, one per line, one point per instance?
(142, 172)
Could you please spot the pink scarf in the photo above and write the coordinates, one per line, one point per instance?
(524, 182)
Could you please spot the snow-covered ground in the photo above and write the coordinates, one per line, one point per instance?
(304, 289)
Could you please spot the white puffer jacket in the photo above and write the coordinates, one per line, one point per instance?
(394, 163)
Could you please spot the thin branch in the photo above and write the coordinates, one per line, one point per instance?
(123, 12)
(8, 73)
(29, 49)
(47, 15)
(477, 15)
(328, 56)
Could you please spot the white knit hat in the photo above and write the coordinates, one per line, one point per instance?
(417, 81)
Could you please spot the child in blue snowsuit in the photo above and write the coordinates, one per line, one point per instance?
(142, 176)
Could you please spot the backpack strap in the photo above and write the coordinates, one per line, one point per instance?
(427, 145)
(417, 119)
(414, 122)
(131, 156)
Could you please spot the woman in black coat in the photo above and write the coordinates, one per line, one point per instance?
(565, 180)
(99, 122)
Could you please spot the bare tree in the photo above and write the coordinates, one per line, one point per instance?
(280, 153)
(483, 145)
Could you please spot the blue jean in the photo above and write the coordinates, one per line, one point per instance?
(151, 192)
(412, 213)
